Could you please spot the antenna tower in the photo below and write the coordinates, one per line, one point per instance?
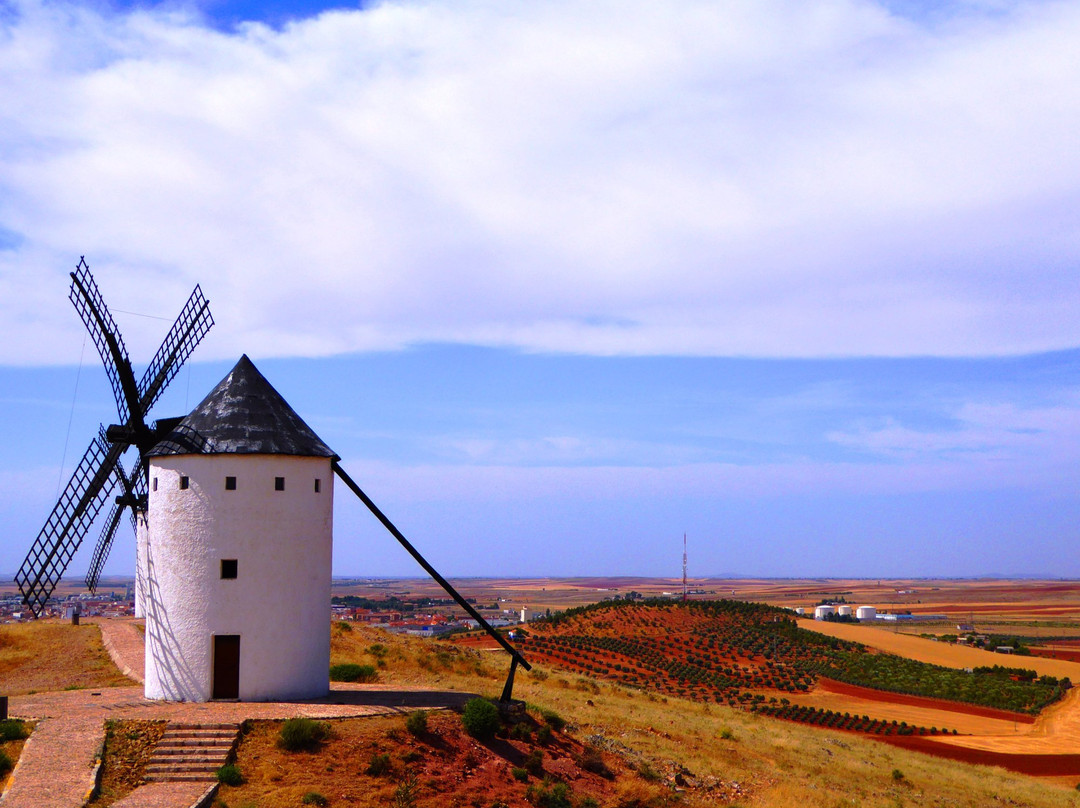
(684, 568)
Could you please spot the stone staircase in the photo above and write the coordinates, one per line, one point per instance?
(191, 752)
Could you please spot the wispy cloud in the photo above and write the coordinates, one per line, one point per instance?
(1032, 447)
(778, 178)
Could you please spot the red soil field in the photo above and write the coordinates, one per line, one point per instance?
(1073, 655)
(1037, 765)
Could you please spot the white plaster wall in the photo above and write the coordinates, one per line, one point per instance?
(279, 603)
(140, 562)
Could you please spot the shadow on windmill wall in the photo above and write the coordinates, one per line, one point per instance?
(166, 663)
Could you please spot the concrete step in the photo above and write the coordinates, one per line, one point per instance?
(191, 752)
(192, 749)
(181, 777)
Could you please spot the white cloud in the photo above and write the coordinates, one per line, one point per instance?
(743, 178)
(1034, 447)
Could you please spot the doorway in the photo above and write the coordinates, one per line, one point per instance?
(226, 667)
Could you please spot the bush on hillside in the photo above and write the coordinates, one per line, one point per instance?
(416, 723)
(230, 775)
(302, 734)
(351, 672)
(481, 719)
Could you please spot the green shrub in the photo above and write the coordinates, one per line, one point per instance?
(549, 795)
(230, 775)
(405, 793)
(351, 672)
(543, 734)
(314, 798)
(302, 734)
(416, 723)
(523, 774)
(897, 775)
(521, 732)
(5, 763)
(534, 763)
(379, 765)
(12, 730)
(588, 802)
(343, 627)
(481, 718)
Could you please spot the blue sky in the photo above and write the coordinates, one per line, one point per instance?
(562, 281)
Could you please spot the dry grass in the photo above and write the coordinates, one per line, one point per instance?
(129, 745)
(54, 655)
(726, 756)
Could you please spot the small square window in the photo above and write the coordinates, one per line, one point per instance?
(183, 483)
(230, 483)
(318, 485)
(279, 483)
(228, 568)
(154, 486)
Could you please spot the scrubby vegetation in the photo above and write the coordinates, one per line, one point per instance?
(731, 651)
(302, 734)
(352, 672)
(845, 721)
(1014, 689)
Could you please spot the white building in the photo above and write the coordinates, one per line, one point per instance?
(235, 560)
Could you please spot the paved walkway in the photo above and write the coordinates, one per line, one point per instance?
(125, 644)
(56, 769)
(164, 795)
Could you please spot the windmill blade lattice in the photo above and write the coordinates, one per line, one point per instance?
(190, 327)
(134, 487)
(99, 471)
(106, 336)
(71, 517)
(104, 544)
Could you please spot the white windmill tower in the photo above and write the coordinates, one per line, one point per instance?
(233, 508)
(236, 563)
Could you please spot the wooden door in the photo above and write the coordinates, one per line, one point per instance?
(226, 666)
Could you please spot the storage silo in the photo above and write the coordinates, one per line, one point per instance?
(866, 613)
(844, 611)
(821, 612)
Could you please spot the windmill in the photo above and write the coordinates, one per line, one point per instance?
(100, 470)
(191, 648)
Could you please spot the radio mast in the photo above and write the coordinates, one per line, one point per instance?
(684, 568)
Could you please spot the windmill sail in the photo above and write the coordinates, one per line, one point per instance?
(188, 330)
(106, 336)
(68, 523)
(99, 470)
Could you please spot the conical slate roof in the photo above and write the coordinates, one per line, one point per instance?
(244, 414)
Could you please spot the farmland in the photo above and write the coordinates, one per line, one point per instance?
(752, 655)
